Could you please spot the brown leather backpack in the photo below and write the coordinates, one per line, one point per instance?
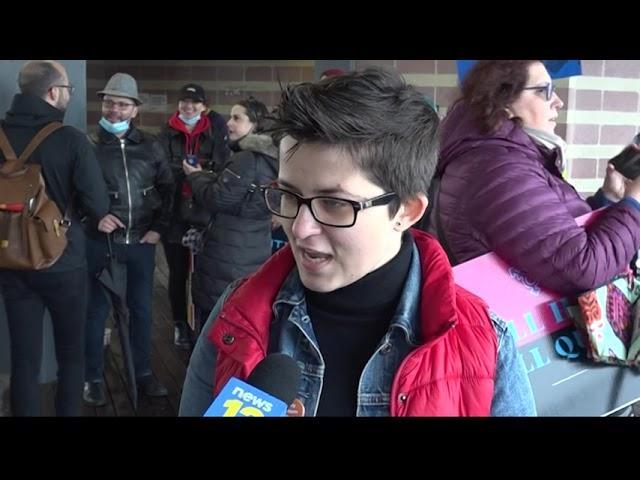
(32, 229)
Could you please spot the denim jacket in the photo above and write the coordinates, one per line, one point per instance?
(292, 334)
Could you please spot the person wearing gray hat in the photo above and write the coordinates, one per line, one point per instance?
(122, 85)
(135, 167)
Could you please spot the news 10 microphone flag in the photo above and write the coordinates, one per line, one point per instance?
(239, 399)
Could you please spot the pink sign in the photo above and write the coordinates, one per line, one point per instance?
(532, 311)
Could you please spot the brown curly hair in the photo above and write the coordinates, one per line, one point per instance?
(490, 87)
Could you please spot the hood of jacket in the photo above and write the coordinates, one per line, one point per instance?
(260, 143)
(31, 111)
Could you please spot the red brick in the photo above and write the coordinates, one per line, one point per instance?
(95, 69)
(622, 68)
(230, 73)
(584, 167)
(360, 64)
(199, 73)
(588, 100)
(308, 74)
(620, 101)
(446, 66)
(616, 134)
(172, 98)
(152, 119)
(149, 72)
(602, 167)
(593, 68)
(287, 74)
(583, 134)
(93, 117)
(416, 66)
(258, 74)
(179, 72)
(226, 98)
(445, 96)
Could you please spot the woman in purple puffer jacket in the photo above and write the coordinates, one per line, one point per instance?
(502, 189)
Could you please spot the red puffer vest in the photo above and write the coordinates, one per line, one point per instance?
(451, 374)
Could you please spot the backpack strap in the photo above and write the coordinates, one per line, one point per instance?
(7, 149)
(13, 164)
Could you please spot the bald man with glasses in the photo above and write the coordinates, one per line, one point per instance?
(74, 182)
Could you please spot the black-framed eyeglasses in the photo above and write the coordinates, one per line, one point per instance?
(548, 88)
(121, 105)
(69, 87)
(330, 211)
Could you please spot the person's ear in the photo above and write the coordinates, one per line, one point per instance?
(410, 212)
(53, 94)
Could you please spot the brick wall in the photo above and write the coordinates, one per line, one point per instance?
(601, 113)
(600, 116)
(225, 82)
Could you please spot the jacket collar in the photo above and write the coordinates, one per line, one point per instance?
(134, 135)
(31, 111)
(430, 279)
(259, 143)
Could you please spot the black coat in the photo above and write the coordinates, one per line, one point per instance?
(239, 239)
(213, 149)
(139, 180)
(69, 168)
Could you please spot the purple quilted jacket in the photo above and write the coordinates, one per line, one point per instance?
(503, 193)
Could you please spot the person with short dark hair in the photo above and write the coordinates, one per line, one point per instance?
(74, 182)
(366, 305)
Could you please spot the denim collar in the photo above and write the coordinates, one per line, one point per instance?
(406, 316)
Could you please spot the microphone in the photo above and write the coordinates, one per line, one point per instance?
(271, 387)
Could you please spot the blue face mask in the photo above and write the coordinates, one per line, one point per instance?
(189, 121)
(114, 128)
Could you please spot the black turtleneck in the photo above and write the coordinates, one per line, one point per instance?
(349, 324)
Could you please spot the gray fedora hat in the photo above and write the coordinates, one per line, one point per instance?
(122, 85)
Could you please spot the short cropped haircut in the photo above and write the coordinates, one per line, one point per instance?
(382, 123)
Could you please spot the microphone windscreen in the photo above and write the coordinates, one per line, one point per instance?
(278, 375)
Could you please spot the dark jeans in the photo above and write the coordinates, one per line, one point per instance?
(139, 261)
(64, 294)
(178, 262)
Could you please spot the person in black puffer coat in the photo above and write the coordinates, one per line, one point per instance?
(238, 240)
(189, 132)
